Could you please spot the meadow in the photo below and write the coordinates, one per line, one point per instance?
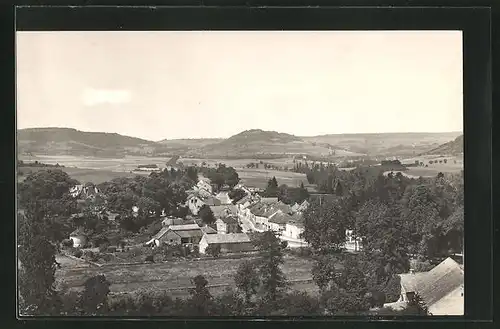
(98, 170)
(175, 276)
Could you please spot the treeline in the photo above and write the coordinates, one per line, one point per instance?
(396, 219)
(285, 193)
(21, 163)
(221, 176)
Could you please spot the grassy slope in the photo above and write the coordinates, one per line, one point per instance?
(173, 274)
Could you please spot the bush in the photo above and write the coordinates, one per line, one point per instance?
(392, 289)
(150, 258)
(111, 249)
(421, 266)
(105, 257)
(90, 255)
(77, 253)
(213, 250)
(68, 243)
(136, 252)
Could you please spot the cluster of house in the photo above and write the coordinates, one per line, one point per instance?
(86, 191)
(441, 289)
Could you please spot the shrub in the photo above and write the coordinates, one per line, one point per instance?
(111, 249)
(105, 257)
(392, 289)
(90, 255)
(136, 252)
(150, 258)
(213, 250)
(67, 243)
(77, 253)
(421, 266)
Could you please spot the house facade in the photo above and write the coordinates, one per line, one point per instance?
(227, 225)
(293, 230)
(194, 203)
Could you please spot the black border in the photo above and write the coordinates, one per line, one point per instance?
(475, 22)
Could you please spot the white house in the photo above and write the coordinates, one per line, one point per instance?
(79, 238)
(295, 227)
(194, 203)
(203, 185)
(277, 221)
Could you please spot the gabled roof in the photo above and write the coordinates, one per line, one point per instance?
(177, 221)
(269, 200)
(280, 218)
(184, 227)
(244, 199)
(297, 220)
(161, 233)
(436, 284)
(229, 220)
(226, 238)
(208, 230)
(211, 201)
(190, 233)
(223, 197)
(220, 211)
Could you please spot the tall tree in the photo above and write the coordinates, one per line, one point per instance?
(206, 215)
(200, 299)
(247, 280)
(272, 277)
(94, 299)
(37, 267)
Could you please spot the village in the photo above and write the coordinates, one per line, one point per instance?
(233, 227)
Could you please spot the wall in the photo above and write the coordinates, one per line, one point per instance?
(167, 237)
(203, 245)
(78, 241)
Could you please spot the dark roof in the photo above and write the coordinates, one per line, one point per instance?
(280, 218)
(230, 220)
(189, 233)
(177, 221)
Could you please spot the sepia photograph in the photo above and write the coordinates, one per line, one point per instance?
(240, 173)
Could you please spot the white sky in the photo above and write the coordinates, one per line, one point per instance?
(157, 85)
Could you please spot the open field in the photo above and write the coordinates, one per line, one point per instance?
(98, 170)
(95, 176)
(174, 275)
(259, 177)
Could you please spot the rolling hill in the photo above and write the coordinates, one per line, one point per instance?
(385, 144)
(455, 147)
(253, 143)
(264, 144)
(54, 141)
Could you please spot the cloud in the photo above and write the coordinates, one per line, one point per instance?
(93, 97)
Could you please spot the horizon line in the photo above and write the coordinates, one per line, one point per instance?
(194, 138)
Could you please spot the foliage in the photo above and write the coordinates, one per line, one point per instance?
(36, 275)
(273, 281)
(206, 215)
(247, 280)
(272, 189)
(324, 271)
(213, 250)
(325, 225)
(292, 195)
(236, 195)
(93, 300)
(342, 302)
(201, 299)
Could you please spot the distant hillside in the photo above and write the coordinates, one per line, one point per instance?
(455, 147)
(385, 144)
(263, 144)
(71, 141)
(255, 143)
